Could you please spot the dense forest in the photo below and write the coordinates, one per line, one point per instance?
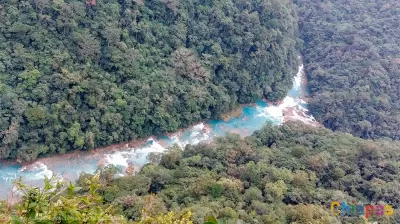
(286, 174)
(83, 74)
(352, 57)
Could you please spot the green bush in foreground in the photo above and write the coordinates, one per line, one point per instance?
(59, 203)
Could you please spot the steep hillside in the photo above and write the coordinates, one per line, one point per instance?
(352, 57)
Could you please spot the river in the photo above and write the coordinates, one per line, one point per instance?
(69, 166)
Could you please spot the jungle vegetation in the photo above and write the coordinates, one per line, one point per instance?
(84, 74)
(80, 74)
(352, 58)
(281, 174)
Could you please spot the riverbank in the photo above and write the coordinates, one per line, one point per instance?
(235, 113)
(131, 156)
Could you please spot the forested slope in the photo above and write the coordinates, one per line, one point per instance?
(352, 57)
(281, 174)
(286, 174)
(79, 75)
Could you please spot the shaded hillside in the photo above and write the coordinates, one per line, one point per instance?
(79, 75)
(352, 57)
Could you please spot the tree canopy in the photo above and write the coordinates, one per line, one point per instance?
(286, 174)
(79, 75)
(352, 58)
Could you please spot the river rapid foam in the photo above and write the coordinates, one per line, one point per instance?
(69, 166)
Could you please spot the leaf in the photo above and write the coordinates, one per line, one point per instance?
(210, 220)
(33, 204)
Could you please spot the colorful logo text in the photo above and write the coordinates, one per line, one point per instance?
(368, 211)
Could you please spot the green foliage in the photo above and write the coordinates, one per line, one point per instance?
(36, 116)
(76, 76)
(151, 214)
(210, 220)
(29, 78)
(59, 203)
(274, 187)
(213, 220)
(254, 183)
(275, 191)
(170, 218)
(310, 214)
(216, 190)
(351, 55)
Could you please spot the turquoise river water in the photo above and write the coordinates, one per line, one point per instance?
(68, 167)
